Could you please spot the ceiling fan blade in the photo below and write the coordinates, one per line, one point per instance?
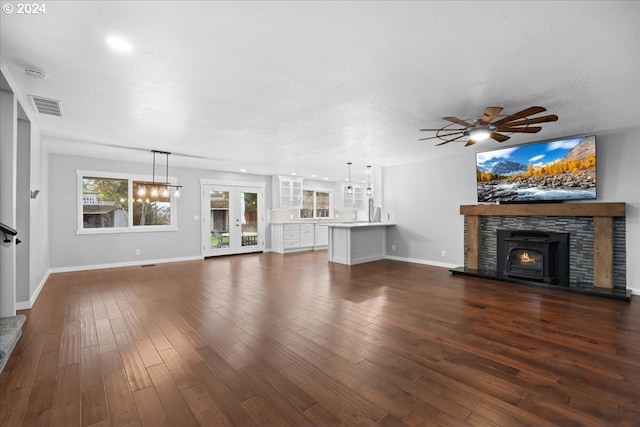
(524, 122)
(489, 114)
(470, 142)
(451, 140)
(441, 129)
(528, 129)
(441, 136)
(498, 137)
(521, 114)
(458, 121)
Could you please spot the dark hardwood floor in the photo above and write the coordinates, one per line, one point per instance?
(276, 340)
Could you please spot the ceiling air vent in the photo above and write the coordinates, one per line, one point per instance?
(46, 105)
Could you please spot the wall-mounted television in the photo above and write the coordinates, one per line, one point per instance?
(553, 170)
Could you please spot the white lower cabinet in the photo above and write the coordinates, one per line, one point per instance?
(322, 236)
(293, 237)
(307, 235)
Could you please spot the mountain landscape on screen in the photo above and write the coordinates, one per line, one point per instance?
(557, 170)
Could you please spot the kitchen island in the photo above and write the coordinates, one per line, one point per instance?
(357, 242)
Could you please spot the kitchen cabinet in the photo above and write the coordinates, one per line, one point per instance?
(292, 237)
(357, 243)
(285, 237)
(354, 200)
(307, 235)
(289, 191)
(322, 236)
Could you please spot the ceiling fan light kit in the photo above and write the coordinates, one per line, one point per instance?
(484, 127)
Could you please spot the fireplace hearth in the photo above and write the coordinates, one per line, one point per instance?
(534, 255)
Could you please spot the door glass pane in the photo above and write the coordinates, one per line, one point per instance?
(219, 207)
(249, 218)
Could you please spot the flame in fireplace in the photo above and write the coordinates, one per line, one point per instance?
(526, 259)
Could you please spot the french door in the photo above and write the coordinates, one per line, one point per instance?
(232, 219)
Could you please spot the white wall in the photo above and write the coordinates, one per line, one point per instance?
(32, 256)
(425, 198)
(8, 178)
(23, 210)
(71, 251)
(39, 218)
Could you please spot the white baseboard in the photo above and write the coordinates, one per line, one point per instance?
(123, 264)
(422, 261)
(634, 291)
(27, 305)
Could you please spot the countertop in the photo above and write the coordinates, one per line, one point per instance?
(307, 221)
(359, 224)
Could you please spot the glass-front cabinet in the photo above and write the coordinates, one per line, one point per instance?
(354, 200)
(290, 192)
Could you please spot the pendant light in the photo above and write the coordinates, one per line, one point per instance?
(161, 188)
(349, 186)
(369, 189)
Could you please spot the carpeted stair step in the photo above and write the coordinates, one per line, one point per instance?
(10, 332)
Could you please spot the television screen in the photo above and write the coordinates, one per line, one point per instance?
(555, 170)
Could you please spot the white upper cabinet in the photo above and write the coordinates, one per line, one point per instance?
(354, 200)
(289, 192)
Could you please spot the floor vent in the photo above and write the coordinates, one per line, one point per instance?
(46, 105)
(148, 265)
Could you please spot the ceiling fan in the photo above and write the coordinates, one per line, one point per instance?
(484, 127)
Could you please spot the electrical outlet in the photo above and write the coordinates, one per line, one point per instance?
(137, 251)
(196, 217)
(393, 247)
(444, 253)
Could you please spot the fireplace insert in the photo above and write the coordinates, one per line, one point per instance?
(534, 255)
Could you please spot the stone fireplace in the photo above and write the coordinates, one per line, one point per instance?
(595, 247)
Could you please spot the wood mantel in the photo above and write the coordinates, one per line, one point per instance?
(602, 213)
(547, 209)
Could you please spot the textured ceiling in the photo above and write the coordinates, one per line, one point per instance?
(304, 87)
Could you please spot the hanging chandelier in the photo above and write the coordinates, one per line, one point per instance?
(160, 188)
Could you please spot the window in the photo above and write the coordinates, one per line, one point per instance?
(111, 203)
(105, 202)
(315, 204)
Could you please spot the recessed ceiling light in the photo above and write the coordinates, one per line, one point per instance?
(119, 44)
(293, 173)
(313, 176)
(243, 170)
(325, 178)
